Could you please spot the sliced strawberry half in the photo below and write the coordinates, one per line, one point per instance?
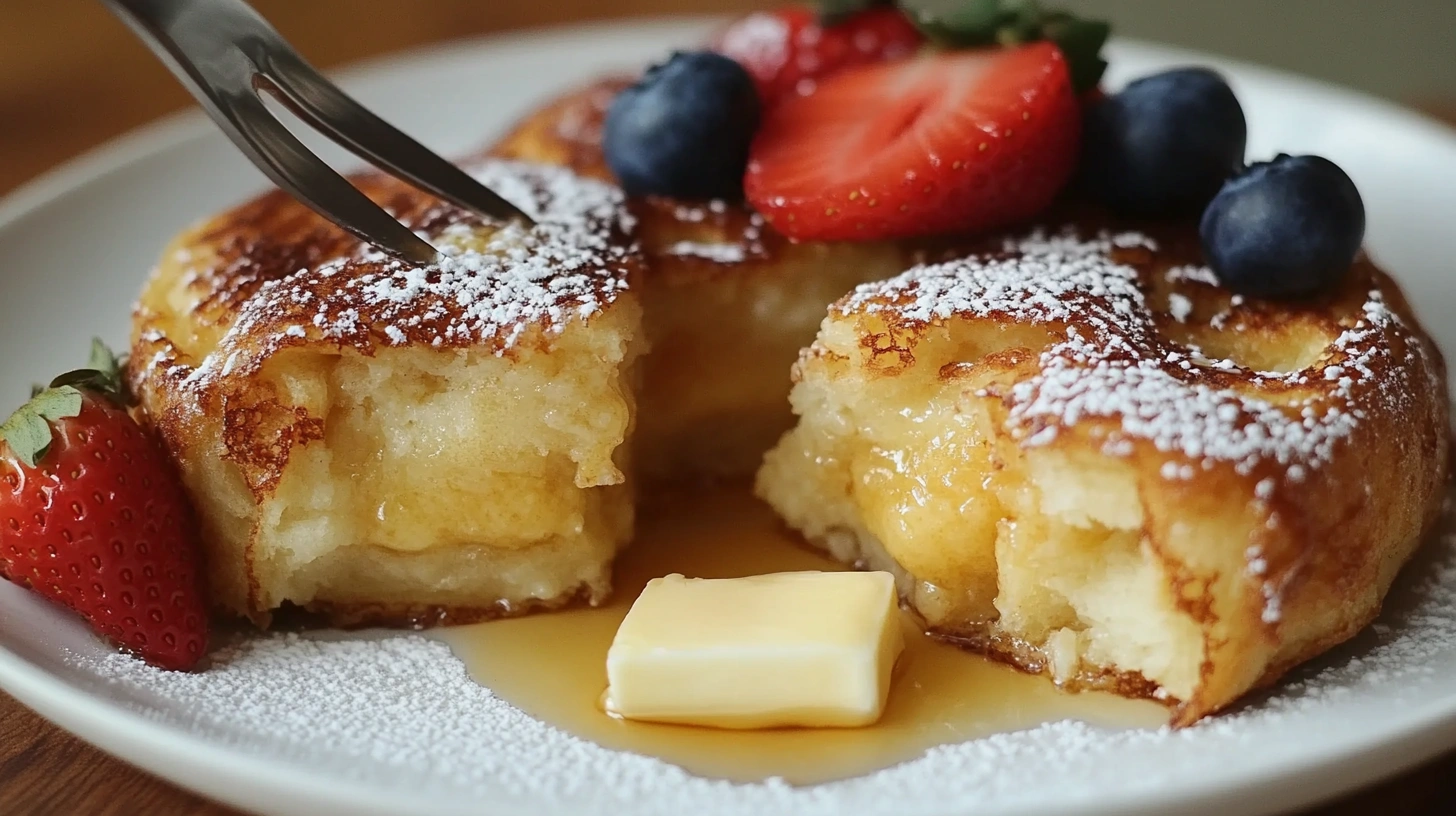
(953, 142)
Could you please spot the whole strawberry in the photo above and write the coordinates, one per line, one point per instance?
(93, 516)
(789, 50)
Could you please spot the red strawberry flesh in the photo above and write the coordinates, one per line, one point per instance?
(953, 142)
(101, 525)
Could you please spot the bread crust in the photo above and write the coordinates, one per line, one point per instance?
(241, 301)
(1287, 458)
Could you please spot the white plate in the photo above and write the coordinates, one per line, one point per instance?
(77, 243)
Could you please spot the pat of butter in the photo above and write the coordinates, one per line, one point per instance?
(788, 649)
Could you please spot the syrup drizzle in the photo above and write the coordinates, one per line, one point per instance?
(553, 666)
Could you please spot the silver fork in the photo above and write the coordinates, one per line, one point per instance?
(227, 55)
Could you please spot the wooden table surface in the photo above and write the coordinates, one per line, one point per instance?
(72, 77)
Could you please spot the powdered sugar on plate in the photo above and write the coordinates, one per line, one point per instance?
(401, 711)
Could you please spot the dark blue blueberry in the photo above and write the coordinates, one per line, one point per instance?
(1286, 228)
(1165, 144)
(684, 129)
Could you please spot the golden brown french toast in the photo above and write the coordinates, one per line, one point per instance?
(1082, 456)
(1139, 563)
(728, 303)
(1075, 450)
(386, 444)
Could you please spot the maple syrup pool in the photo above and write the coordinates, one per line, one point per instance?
(553, 666)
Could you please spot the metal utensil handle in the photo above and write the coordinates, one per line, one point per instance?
(225, 53)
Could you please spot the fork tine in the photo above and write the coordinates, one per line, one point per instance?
(290, 165)
(225, 53)
(215, 47)
(324, 106)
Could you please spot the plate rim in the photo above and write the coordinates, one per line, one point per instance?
(212, 769)
(173, 129)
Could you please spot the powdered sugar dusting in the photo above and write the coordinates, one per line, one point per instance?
(568, 267)
(759, 39)
(401, 715)
(739, 235)
(1111, 363)
(1044, 280)
(1193, 274)
(717, 253)
(1180, 307)
(491, 284)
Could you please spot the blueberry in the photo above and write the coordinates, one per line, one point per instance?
(1165, 144)
(1286, 228)
(684, 129)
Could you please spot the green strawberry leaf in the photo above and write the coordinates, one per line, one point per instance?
(27, 435)
(1023, 24)
(1081, 41)
(55, 404)
(981, 23)
(28, 431)
(102, 358)
(102, 374)
(956, 23)
(834, 12)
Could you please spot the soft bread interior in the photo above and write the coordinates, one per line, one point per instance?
(723, 337)
(442, 477)
(897, 464)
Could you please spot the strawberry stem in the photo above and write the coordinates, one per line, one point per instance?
(834, 12)
(1010, 23)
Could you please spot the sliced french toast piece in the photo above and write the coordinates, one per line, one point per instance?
(728, 303)
(1083, 457)
(384, 443)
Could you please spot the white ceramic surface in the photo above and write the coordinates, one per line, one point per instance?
(76, 245)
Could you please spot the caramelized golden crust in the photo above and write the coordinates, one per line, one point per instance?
(1096, 409)
(690, 241)
(566, 132)
(271, 275)
(262, 332)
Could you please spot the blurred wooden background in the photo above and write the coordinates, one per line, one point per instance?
(72, 77)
